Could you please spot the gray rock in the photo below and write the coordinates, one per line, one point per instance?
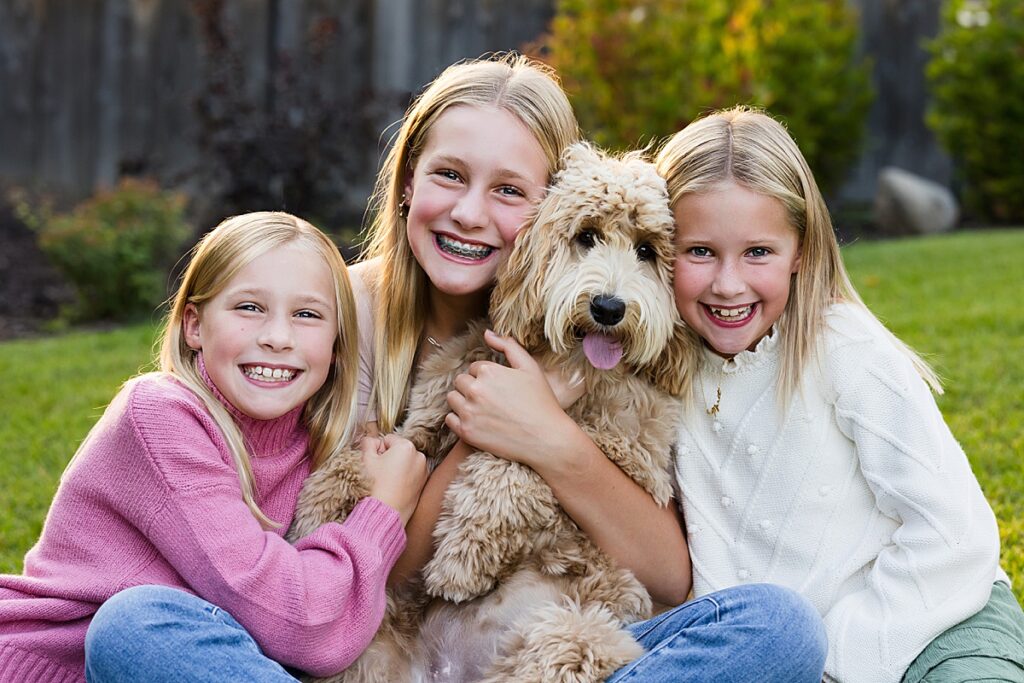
(907, 204)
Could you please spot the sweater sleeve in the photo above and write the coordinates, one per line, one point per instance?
(937, 568)
(315, 605)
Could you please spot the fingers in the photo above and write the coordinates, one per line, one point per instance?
(392, 440)
(455, 424)
(397, 474)
(517, 356)
(456, 401)
(479, 375)
(484, 368)
(371, 445)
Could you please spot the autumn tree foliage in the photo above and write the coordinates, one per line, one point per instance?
(639, 70)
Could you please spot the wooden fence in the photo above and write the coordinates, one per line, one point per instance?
(93, 89)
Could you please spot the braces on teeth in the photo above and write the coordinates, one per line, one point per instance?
(461, 249)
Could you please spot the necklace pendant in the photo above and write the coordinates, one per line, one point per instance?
(713, 410)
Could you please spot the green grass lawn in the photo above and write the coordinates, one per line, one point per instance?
(52, 391)
(957, 300)
(954, 298)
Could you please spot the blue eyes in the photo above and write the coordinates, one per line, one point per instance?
(504, 190)
(511, 191)
(255, 308)
(705, 252)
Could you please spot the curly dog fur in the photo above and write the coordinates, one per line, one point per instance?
(515, 591)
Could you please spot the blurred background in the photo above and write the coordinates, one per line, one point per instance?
(129, 127)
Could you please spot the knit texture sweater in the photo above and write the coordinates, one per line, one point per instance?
(153, 498)
(855, 494)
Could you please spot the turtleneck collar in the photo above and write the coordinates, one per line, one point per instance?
(765, 351)
(264, 437)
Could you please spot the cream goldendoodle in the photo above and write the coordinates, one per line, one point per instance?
(515, 591)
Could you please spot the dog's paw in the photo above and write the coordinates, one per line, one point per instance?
(457, 579)
(565, 644)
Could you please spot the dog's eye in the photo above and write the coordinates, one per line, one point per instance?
(645, 252)
(587, 238)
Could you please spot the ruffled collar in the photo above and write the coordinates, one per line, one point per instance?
(264, 437)
(765, 351)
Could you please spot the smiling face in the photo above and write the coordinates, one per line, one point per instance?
(268, 336)
(736, 253)
(472, 188)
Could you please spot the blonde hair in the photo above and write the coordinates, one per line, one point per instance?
(525, 88)
(330, 414)
(754, 150)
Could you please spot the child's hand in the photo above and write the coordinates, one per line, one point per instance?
(513, 412)
(398, 472)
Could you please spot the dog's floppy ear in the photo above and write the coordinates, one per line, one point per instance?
(517, 302)
(673, 371)
(517, 308)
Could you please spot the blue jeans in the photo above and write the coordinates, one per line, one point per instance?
(758, 633)
(156, 634)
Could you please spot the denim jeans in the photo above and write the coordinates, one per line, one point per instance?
(751, 633)
(158, 634)
(758, 633)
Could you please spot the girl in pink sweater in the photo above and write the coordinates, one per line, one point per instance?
(162, 556)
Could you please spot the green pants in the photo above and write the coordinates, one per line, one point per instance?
(987, 647)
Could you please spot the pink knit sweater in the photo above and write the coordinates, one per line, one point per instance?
(153, 498)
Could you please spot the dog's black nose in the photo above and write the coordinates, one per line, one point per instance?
(607, 310)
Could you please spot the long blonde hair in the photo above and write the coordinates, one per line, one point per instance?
(754, 150)
(525, 88)
(330, 414)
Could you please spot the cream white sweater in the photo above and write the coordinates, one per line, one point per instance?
(860, 498)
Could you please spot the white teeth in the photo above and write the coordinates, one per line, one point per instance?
(731, 313)
(472, 251)
(269, 374)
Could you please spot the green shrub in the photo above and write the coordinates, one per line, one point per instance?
(115, 248)
(638, 70)
(976, 75)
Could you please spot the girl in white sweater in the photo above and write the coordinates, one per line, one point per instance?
(814, 455)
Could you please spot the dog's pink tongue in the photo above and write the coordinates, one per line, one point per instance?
(603, 351)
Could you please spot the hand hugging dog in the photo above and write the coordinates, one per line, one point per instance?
(515, 591)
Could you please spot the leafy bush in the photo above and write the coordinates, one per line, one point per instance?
(115, 248)
(637, 70)
(976, 74)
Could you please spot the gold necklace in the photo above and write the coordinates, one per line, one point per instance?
(713, 410)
